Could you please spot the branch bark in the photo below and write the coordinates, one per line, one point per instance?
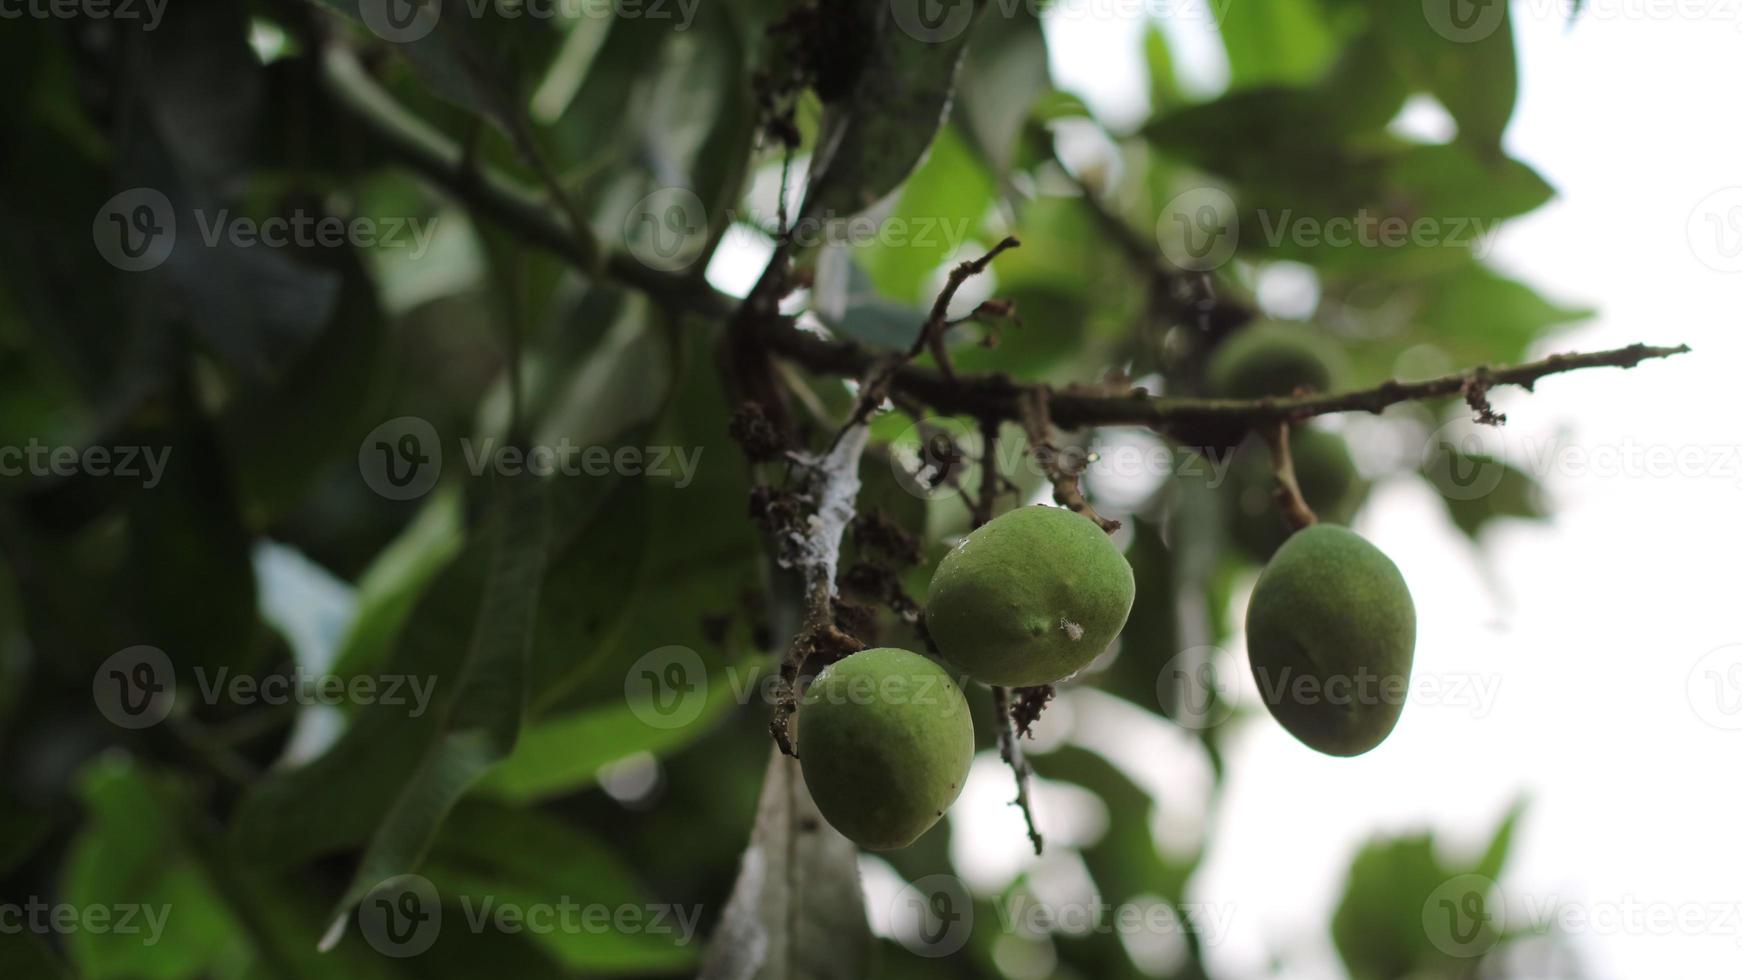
(422, 148)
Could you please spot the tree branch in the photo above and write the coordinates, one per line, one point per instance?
(1295, 512)
(427, 151)
(424, 149)
(1066, 482)
(1079, 406)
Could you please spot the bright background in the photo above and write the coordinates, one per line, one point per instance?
(1586, 630)
(1576, 656)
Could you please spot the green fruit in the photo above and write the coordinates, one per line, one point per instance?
(885, 740)
(1029, 598)
(1331, 634)
(1272, 358)
(1327, 478)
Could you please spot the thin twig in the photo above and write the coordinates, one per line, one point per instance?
(938, 323)
(1293, 507)
(1066, 481)
(1077, 407)
(1010, 750)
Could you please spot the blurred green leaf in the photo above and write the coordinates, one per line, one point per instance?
(873, 139)
(388, 590)
(131, 864)
(1479, 489)
(1004, 72)
(940, 208)
(493, 861)
(1271, 41)
(485, 717)
(1474, 77)
(796, 910)
(564, 753)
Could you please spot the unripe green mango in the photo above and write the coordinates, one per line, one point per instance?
(885, 741)
(1272, 358)
(1029, 598)
(1330, 632)
(1323, 469)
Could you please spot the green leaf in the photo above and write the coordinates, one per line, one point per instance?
(1378, 924)
(1164, 90)
(484, 719)
(390, 586)
(1493, 860)
(1004, 72)
(1474, 74)
(130, 854)
(1479, 489)
(847, 300)
(189, 528)
(940, 207)
(873, 140)
(491, 858)
(1275, 41)
(23, 954)
(564, 754)
(796, 912)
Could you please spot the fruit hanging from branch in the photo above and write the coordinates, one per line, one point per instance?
(885, 741)
(1030, 598)
(1330, 632)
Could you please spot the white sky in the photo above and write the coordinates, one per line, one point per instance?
(1584, 633)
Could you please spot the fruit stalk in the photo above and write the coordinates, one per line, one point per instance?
(1289, 501)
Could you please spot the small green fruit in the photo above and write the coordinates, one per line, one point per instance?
(1331, 635)
(1327, 478)
(1272, 358)
(885, 740)
(1030, 597)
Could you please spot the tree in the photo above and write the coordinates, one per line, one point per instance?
(412, 550)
